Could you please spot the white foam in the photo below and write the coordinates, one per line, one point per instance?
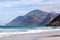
(2, 34)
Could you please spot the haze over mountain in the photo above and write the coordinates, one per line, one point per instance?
(33, 18)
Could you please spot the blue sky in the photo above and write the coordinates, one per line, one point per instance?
(10, 9)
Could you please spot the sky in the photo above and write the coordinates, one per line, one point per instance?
(10, 9)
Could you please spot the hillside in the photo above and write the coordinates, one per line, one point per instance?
(55, 22)
(33, 18)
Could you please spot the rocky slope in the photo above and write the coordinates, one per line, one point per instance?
(33, 18)
(55, 22)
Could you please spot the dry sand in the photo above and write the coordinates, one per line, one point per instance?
(34, 36)
(49, 38)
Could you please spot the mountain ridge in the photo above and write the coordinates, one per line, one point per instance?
(33, 18)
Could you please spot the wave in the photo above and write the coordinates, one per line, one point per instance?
(2, 34)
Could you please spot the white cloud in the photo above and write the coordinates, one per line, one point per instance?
(22, 2)
(26, 2)
(47, 5)
(50, 0)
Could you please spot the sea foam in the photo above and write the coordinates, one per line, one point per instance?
(2, 34)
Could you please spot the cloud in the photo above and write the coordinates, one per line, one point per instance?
(48, 5)
(7, 0)
(20, 2)
(27, 2)
(50, 0)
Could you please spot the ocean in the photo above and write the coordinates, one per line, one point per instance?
(10, 30)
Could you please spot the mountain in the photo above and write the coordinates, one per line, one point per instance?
(46, 20)
(20, 20)
(55, 22)
(33, 18)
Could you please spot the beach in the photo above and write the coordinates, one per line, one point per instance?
(49, 38)
(48, 35)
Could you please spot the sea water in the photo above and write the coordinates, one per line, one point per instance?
(10, 30)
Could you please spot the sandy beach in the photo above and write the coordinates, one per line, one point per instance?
(50, 35)
(49, 38)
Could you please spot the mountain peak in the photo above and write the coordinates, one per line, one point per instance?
(36, 13)
(37, 10)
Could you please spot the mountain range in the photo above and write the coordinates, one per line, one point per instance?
(33, 18)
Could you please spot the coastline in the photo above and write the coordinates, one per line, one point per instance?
(34, 36)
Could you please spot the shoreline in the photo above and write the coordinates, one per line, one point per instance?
(32, 36)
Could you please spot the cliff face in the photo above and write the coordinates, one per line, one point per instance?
(55, 22)
(33, 18)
